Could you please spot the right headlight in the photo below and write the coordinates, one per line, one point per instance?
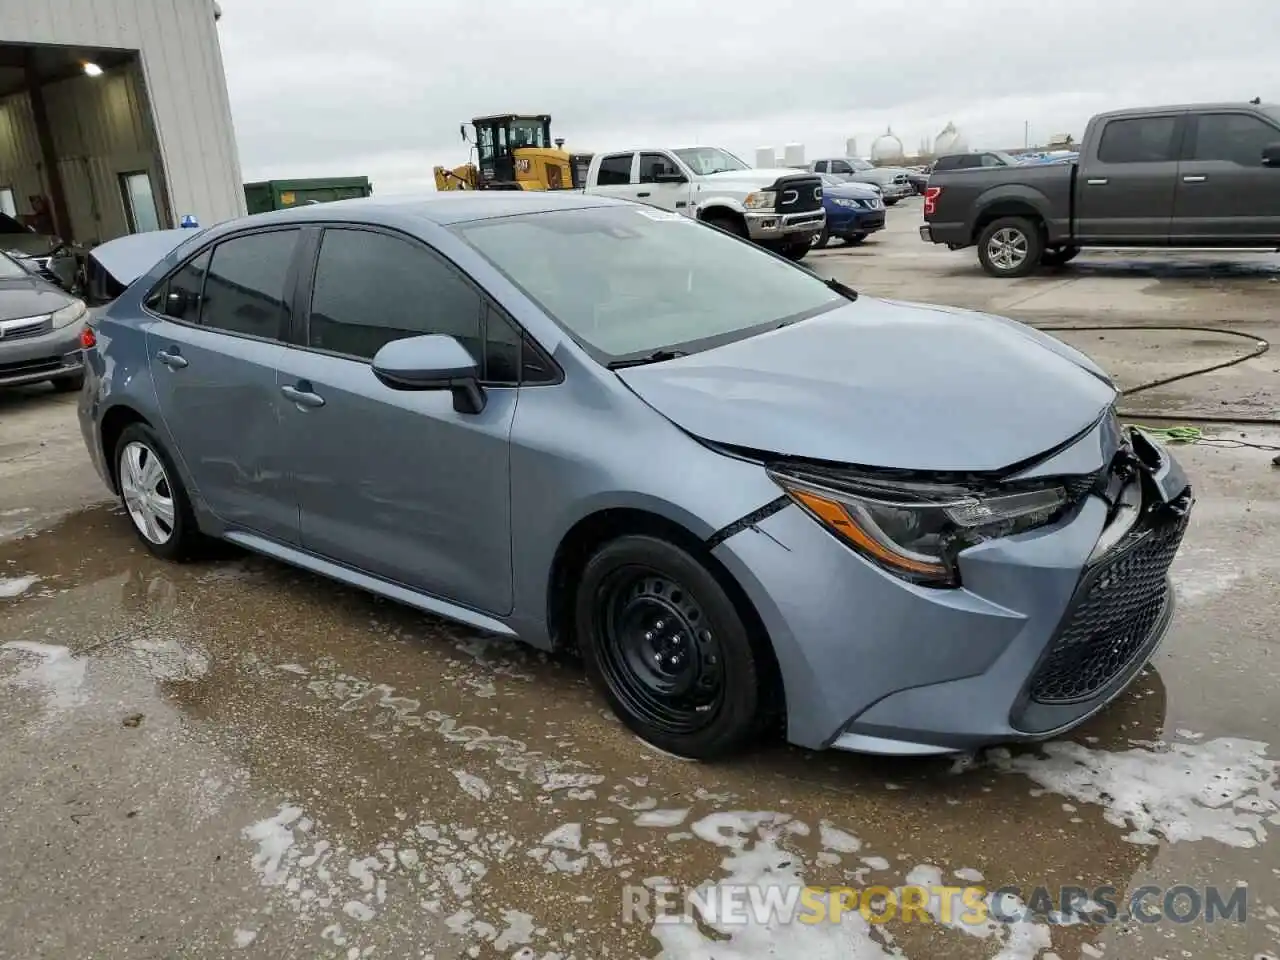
(760, 200)
(916, 530)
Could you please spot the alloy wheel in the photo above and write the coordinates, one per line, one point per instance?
(148, 496)
(1008, 248)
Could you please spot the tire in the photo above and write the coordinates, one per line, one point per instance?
(797, 251)
(728, 224)
(158, 507)
(697, 692)
(1010, 247)
(890, 203)
(68, 384)
(1059, 256)
(820, 240)
(854, 239)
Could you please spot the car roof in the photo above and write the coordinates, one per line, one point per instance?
(443, 207)
(1184, 107)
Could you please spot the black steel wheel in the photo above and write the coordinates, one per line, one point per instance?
(666, 647)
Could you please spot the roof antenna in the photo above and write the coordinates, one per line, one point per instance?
(1256, 101)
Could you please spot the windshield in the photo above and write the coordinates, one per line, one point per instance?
(10, 269)
(1006, 159)
(708, 160)
(860, 165)
(527, 133)
(626, 281)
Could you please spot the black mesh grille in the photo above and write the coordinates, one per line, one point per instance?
(35, 328)
(799, 194)
(1117, 606)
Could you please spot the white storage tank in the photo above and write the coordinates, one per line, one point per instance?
(950, 140)
(851, 147)
(765, 158)
(793, 155)
(887, 149)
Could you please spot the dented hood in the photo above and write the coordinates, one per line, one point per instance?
(880, 383)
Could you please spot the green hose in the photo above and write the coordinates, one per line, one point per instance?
(1174, 434)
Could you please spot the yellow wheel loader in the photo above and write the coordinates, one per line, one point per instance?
(512, 152)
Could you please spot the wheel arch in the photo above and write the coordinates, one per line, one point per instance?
(112, 424)
(1017, 203)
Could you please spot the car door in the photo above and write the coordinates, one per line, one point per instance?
(215, 336)
(1125, 188)
(1224, 193)
(396, 483)
(666, 194)
(613, 179)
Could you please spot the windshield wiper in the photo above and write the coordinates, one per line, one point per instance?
(843, 289)
(656, 357)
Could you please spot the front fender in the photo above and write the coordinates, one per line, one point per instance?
(719, 202)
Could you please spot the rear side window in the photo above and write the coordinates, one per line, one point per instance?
(1139, 140)
(1234, 137)
(371, 288)
(179, 296)
(615, 170)
(246, 290)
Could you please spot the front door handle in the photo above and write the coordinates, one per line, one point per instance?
(643, 194)
(1097, 181)
(302, 395)
(1194, 179)
(172, 359)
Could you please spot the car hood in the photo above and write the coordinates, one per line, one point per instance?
(29, 244)
(850, 190)
(132, 256)
(30, 298)
(880, 383)
(753, 179)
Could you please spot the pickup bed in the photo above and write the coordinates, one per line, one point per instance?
(1204, 175)
(779, 209)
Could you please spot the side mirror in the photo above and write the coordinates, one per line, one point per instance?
(669, 176)
(1271, 155)
(432, 362)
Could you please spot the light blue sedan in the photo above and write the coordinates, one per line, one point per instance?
(751, 499)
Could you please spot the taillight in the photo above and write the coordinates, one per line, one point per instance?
(931, 195)
(88, 339)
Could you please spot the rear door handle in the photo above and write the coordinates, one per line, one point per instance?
(302, 395)
(1194, 179)
(643, 194)
(172, 359)
(1097, 181)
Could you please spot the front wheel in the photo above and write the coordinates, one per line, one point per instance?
(797, 251)
(854, 239)
(1010, 247)
(821, 239)
(664, 644)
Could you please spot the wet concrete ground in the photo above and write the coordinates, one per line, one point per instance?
(233, 758)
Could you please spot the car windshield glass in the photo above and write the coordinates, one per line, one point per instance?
(10, 225)
(1004, 158)
(625, 281)
(708, 160)
(861, 165)
(10, 269)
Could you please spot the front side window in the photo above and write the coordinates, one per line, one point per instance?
(1234, 137)
(179, 296)
(371, 288)
(705, 161)
(654, 165)
(839, 166)
(626, 281)
(245, 291)
(615, 170)
(1139, 140)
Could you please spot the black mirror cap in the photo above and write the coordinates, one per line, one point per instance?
(1271, 155)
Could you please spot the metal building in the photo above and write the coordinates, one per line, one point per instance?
(114, 117)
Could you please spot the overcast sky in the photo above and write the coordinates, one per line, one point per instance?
(378, 87)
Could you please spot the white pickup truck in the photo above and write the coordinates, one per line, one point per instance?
(779, 209)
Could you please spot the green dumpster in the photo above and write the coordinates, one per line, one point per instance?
(268, 195)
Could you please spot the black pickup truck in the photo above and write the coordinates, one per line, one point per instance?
(1204, 175)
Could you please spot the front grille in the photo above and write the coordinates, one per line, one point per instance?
(21, 329)
(1118, 605)
(798, 194)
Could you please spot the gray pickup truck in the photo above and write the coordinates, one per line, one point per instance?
(1204, 175)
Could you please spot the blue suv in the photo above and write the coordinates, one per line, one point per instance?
(854, 211)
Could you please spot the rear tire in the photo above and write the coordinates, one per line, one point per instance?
(1010, 247)
(68, 384)
(1059, 256)
(664, 644)
(154, 498)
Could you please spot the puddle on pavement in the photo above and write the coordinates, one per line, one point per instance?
(335, 775)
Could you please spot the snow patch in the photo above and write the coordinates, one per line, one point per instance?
(57, 673)
(11, 587)
(662, 818)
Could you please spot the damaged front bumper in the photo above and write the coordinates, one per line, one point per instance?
(1047, 628)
